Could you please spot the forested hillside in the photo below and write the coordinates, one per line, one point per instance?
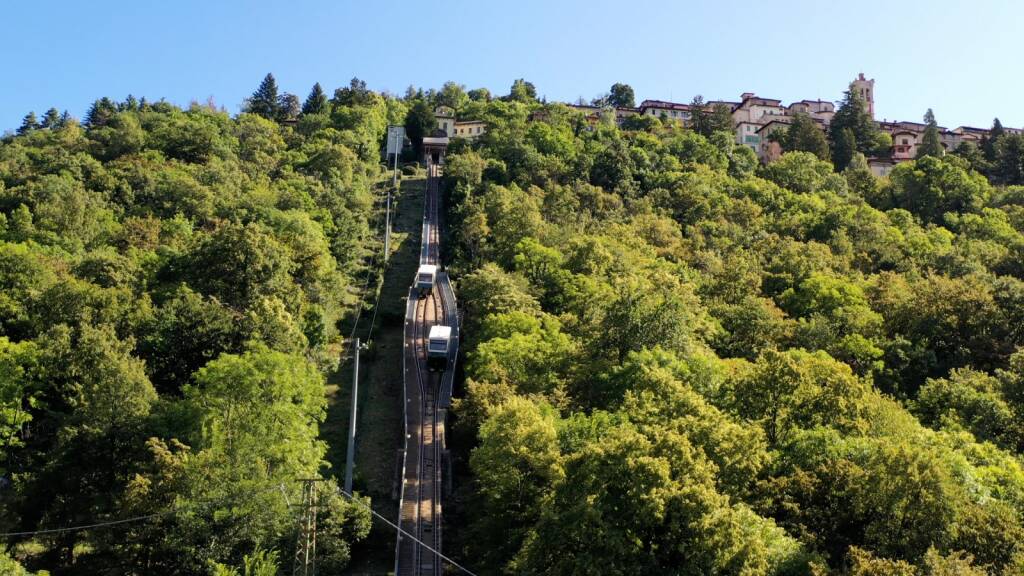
(171, 287)
(680, 362)
(677, 361)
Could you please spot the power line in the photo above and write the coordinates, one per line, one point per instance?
(354, 500)
(372, 267)
(84, 526)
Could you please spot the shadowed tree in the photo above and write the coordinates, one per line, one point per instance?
(316, 102)
(51, 119)
(29, 123)
(804, 136)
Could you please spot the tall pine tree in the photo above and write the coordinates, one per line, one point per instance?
(264, 101)
(720, 119)
(51, 119)
(930, 144)
(100, 112)
(852, 115)
(316, 102)
(988, 144)
(699, 116)
(29, 123)
(130, 104)
(844, 146)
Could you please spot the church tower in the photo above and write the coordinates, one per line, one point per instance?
(866, 89)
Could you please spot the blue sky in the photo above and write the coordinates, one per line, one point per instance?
(959, 58)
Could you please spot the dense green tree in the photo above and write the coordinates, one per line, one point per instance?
(804, 135)
(452, 95)
(51, 119)
(356, 94)
(419, 122)
(931, 187)
(516, 465)
(699, 116)
(1009, 159)
(29, 123)
(479, 95)
(621, 96)
(316, 102)
(265, 101)
(523, 91)
(988, 143)
(288, 107)
(800, 172)
(974, 401)
(795, 390)
(844, 147)
(974, 155)
(706, 119)
(930, 144)
(18, 393)
(137, 252)
(100, 112)
(720, 119)
(852, 115)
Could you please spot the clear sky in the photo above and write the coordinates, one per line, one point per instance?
(960, 58)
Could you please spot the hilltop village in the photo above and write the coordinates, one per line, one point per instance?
(755, 119)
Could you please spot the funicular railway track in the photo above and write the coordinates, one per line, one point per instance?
(427, 395)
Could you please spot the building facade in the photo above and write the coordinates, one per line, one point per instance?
(866, 89)
(469, 129)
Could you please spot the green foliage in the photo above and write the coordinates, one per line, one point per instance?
(259, 563)
(265, 101)
(676, 361)
(171, 282)
(621, 96)
(931, 187)
(522, 91)
(316, 102)
(930, 144)
(852, 115)
(801, 172)
(804, 136)
(18, 396)
(419, 122)
(680, 363)
(1009, 158)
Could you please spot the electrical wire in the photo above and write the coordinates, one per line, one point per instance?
(94, 525)
(356, 501)
(362, 294)
(84, 526)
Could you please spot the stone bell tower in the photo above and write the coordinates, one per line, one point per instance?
(866, 89)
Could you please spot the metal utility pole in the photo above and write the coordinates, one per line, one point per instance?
(305, 544)
(350, 454)
(396, 137)
(387, 214)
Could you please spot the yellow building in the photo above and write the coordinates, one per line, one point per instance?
(468, 129)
